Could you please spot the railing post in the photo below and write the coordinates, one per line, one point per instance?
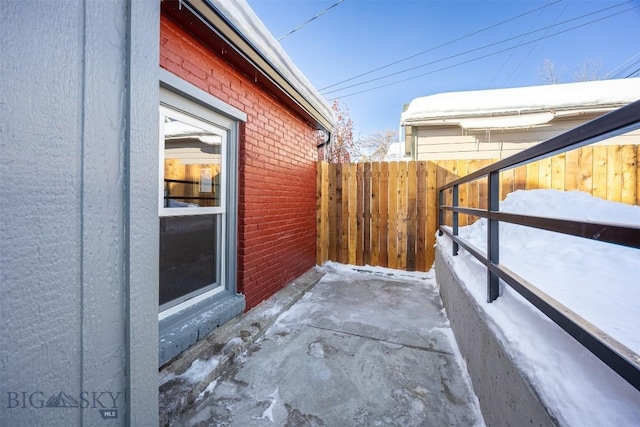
(455, 219)
(493, 235)
(440, 214)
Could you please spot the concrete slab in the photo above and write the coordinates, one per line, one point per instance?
(184, 378)
(361, 348)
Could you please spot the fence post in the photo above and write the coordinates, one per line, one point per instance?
(493, 244)
(455, 219)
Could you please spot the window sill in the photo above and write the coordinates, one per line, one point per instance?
(183, 329)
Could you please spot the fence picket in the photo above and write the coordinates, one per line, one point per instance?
(338, 212)
(402, 216)
(344, 223)
(585, 166)
(392, 236)
(614, 173)
(332, 209)
(375, 214)
(411, 221)
(421, 217)
(629, 176)
(432, 213)
(600, 172)
(366, 219)
(353, 223)
(384, 213)
(359, 214)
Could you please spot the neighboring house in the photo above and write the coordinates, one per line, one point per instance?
(157, 178)
(494, 124)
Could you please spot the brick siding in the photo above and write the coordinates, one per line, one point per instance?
(277, 167)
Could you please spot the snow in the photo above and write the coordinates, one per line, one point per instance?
(522, 100)
(396, 152)
(267, 415)
(596, 280)
(247, 23)
(207, 390)
(200, 369)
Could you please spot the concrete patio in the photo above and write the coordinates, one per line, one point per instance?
(370, 347)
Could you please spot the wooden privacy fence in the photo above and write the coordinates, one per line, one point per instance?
(386, 213)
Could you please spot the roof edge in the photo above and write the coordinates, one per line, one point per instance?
(222, 25)
(565, 112)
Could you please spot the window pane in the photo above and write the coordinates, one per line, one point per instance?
(192, 165)
(188, 255)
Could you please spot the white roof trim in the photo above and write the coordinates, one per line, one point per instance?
(515, 101)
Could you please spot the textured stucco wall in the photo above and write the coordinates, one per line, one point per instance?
(65, 267)
(277, 167)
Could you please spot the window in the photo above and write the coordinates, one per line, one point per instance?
(197, 206)
(192, 201)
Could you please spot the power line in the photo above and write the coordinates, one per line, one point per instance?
(637, 71)
(483, 56)
(532, 49)
(439, 46)
(484, 47)
(315, 17)
(493, 44)
(495, 76)
(620, 65)
(625, 69)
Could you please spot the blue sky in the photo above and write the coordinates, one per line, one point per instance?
(358, 36)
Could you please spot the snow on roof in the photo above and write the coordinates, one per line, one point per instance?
(520, 100)
(246, 22)
(396, 152)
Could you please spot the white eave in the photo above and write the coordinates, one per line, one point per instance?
(520, 107)
(237, 22)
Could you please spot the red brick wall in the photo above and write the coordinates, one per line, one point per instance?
(276, 217)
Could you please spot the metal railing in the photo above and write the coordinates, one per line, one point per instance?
(617, 356)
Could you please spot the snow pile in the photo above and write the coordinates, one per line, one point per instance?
(598, 281)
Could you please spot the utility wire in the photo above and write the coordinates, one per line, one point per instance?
(438, 47)
(493, 44)
(632, 74)
(532, 49)
(620, 65)
(625, 69)
(506, 61)
(483, 56)
(315, 17)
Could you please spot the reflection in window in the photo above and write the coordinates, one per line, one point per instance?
(192, 165)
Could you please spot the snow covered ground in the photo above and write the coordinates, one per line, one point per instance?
(598, 281)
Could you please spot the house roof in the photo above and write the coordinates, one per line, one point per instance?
(512, 107)
(237, 24)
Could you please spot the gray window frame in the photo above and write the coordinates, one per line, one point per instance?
(206, 314)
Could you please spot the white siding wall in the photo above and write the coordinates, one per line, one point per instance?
(448, 143)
